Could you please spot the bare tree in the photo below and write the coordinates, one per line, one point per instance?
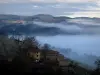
(45, 48)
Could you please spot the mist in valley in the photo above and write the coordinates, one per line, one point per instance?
(78, 35)
(84, 46)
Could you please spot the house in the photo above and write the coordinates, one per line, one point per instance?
(60, 57)
(62, 60)
(21, 22)
(35, 54)
(51, 55)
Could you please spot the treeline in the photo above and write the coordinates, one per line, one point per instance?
(14, 59)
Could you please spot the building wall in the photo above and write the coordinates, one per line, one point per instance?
(35, 55)
(52, 55)
(60, 57)
(63, 63)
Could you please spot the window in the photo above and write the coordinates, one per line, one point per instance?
(37, 55)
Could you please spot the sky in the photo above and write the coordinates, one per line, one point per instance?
(71, 8)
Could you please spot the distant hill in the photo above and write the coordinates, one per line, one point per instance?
(31, 29)
(53, 25)
(39, 17)
(9, 17)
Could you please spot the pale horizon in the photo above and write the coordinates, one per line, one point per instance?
(68, 8)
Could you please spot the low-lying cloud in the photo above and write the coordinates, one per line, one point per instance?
(84, 48)
(81, 26)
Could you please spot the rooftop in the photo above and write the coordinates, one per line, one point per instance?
(34, 50)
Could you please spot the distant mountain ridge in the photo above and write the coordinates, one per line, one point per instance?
(40, 17)
(45, 24)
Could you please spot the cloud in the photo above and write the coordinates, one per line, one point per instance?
(85, 8)
(85, 14)
(46, 1)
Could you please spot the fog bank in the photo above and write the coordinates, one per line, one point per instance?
(85, 48)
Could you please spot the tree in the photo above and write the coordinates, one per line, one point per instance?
(46, 47)
(72, 65)
(44, 50)
(97, 62)
(97, 70)
(8, 47)
(30, 42)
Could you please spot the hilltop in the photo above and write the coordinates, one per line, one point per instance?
(44, 24)
(40, 17)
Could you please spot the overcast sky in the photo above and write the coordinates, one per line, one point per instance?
(72, 8)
